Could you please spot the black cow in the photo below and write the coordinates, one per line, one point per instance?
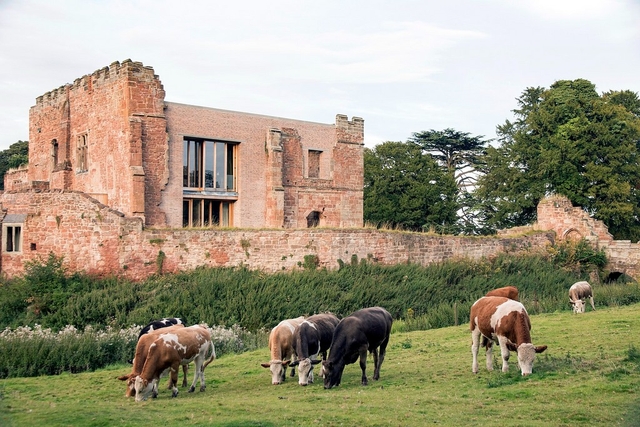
(364, 331)
(158, 324)
(311, 338)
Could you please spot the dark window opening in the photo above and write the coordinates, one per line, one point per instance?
(82, 153)
(314, 164)
(313, 219)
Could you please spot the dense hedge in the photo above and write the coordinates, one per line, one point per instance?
(254, 300)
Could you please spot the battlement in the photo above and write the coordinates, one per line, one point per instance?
(105, 75)
(350, 132)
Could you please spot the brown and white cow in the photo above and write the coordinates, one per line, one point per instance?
(364, 331)
(142, 348)
(577, 294)
(168, 352)
(281, 349)
(506, 322)
(510, 292)
(312, 338)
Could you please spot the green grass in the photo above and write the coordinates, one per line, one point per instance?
(590, 375)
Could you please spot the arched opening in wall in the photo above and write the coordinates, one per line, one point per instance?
(54, 152)
(618, 277)
(313, 219)
(572, 235)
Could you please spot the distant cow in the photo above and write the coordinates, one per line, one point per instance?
(510, 292)
(311, 338)
(505, 321)
(142, 349)
(159, 324)
(281, 349)
(168, 352)
(366, 330)
(577, 294)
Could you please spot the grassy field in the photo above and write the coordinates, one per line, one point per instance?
(590, 375)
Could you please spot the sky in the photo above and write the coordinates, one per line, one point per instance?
(404, 66)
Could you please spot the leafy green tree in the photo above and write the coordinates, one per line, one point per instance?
(16, 155)
(461, 155)
(404, 187)
(567, 140)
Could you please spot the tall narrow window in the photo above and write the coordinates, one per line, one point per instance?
(54, 152)
(314, 163)
(13, 238)
(82, 153)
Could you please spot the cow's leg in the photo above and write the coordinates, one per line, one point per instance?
(504, 352)
(489, 353)
(185, 368)
(475, 346)
(363, 364)
(174, 378)
(378, 358)
(592, 304)
(197, 374)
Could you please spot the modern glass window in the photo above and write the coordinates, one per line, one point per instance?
(209, 165)
(206, 213)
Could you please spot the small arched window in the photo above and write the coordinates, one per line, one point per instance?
(313, 219)
(54, 152)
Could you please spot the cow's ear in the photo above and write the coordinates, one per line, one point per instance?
(286, 362)
(541, 348)
(296, 363)
(124, 378)
(315, 362)
(511, 346)
(571, 302)
(265, 365)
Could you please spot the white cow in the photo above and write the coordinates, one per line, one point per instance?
(506, 322)
(281, 349)
(577, 294)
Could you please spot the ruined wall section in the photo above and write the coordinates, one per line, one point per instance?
(98, 240)
(98, 108)
(67, 223)
(336, 193)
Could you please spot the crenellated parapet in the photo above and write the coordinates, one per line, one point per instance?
(349, 131)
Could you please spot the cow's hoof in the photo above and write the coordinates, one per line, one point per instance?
(174, 394)
(202, 388)
(192, 389)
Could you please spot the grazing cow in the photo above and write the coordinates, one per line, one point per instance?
(159, 324)
(168, 352)
(281, 349)
(364, 331)
(506, 322)
(510, 292)
(142, 348)
(577, 294)
(311, 338)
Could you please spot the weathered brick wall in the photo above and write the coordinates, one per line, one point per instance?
(99, 240)
(558, 214)
(102, 106)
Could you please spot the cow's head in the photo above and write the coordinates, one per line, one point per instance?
(278, 370)
(332, 373)
(143, 388)
(130, 379)
(526, 355)
(578, 305)
(305, 370)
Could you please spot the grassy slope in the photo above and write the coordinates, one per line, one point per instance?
(582, 379)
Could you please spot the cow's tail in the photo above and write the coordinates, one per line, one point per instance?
(213, 355)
